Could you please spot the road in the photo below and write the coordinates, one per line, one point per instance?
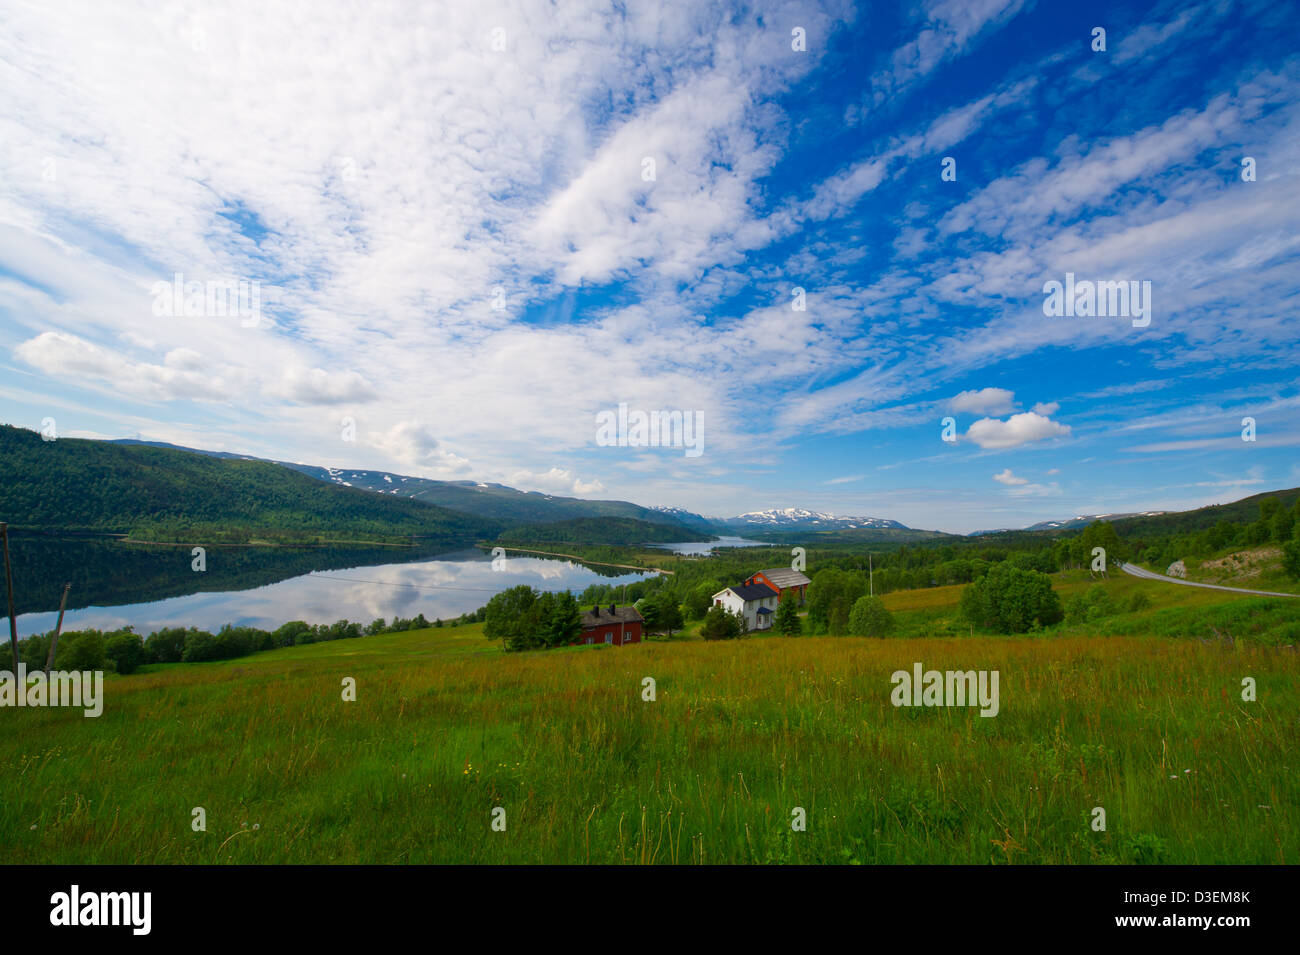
(1135, 571)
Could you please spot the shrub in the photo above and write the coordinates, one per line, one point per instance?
(1137, 601)
(869, 618)
(1010, 600)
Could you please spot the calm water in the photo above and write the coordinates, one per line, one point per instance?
(442, 587)
(697, 548)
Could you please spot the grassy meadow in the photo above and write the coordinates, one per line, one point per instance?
(1148, 724)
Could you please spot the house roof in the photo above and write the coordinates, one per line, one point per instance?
(591, 621)
(748, 592)
(784, 577)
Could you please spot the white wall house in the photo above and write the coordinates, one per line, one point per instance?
(755, 602)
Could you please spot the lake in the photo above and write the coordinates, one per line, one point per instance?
(703, 548)
(116, 584)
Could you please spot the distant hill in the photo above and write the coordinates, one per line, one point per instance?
(623, 531)
(1151, 523)
(494, 501)
(1163, 523)
(164, 493)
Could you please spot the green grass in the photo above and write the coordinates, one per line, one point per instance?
(445, 728)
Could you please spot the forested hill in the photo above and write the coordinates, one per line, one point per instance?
(162, 494)
(599, 530)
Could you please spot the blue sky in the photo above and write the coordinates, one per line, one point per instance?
(459, 248)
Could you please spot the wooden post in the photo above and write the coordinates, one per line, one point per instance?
(9, 585)
(58, 628)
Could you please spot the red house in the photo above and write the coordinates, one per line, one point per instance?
(613, 625)
(783, 580)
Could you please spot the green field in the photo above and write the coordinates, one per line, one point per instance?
(1149, 725)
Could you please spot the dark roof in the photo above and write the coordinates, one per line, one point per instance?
(748, 592)
(624, 614)
(765, 610)
(785, 577)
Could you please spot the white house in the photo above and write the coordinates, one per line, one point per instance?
(755, 602)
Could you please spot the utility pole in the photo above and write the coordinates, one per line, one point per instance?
(871, 576)
(9, 585)
(58, 629)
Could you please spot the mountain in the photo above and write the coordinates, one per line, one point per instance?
(1085, 520)
(164, 493)
(494, 501)
(688, 518)
(788, 517)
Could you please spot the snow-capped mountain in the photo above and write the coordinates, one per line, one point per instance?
(682, 516)
(1085, 519)
(801, 516)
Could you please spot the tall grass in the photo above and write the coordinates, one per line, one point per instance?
(445, 728)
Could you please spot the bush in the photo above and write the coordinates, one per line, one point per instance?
(1011, 600)
(869, 618)
(126, 650)
(1137, 601)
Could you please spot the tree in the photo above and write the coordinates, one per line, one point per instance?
(1011, 600)
(288, 634)
(81, 650)
(700, 598)
(168, 645)
(831, 596)
(787, 616)
(869, 618)
(667, 615)
(554, 621)
(721, 624)
(126, 650)
(1291, 558)
(505, 617)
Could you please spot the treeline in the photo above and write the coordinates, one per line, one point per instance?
(125, 651)
(627, 531)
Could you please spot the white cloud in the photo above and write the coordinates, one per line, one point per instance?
(1006, 477)
(555, 481)
(1025, 428)
(994, 401)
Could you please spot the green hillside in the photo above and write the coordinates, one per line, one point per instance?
(155, 493)
(599, 530)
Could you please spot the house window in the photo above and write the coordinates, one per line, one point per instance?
(609, 637)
